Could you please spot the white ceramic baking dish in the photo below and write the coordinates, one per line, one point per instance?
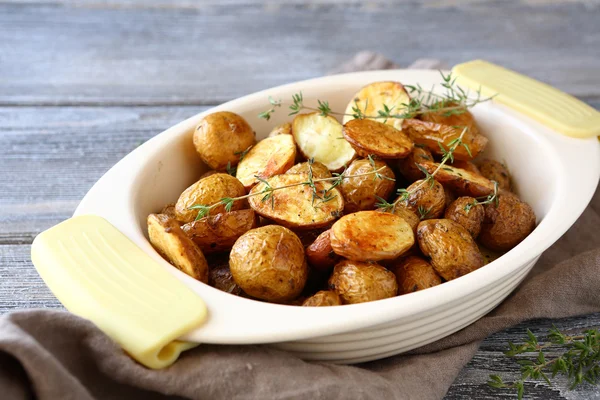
(556, 174)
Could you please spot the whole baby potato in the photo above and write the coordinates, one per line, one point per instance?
(496, 171)
(283, 129)
(415, 273)
(208, 191)
(408, 166)
(450, 246)
(360, 282)
(323, 298)
(268, 263)
(361, 192)
(505, 225)
(320, 255)
(466, 212)
(426, 200)
(219, 276)
(221, 137)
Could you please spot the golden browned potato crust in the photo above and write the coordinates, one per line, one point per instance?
(269, 157)
(410, 217)
(360, 282)
(208, 191)
(268, 263)
(427, 200)
(464, 119)
(371, 236)
(361, 192)
(496, 171)
(319, 254)
(507, 224)
(283, 129)
(467, 166)
(319, 170)
(294, 207)
(432, 134)
(219, 277)
(168, 239)
(169, 210)
(460, 181)
(408, 166)
(451, 247)
(465, 213)
(414, 273)
(372, 137)
(221, 137)
(323, 298)
(216, 233)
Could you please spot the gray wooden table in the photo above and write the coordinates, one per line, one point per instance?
(83, 83)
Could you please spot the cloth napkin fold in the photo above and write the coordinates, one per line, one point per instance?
(55, 355)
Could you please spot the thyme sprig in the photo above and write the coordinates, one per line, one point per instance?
(579, 363)
(492, 198)
(267, 193)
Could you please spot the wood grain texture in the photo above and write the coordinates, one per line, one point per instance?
(117, 53)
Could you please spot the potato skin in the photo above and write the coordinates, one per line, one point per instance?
(320, 254)
(496, 171)
(371, 236)
(451, 247)
(467, 166)
(221, 137)
(269, 157)
(219, 277)
(217, 233)
(414, 273)
(360, 282)
(268, 263)
(283, 129)
(408, 166)
(431, 199)
(462, 120)
(507, 224)
(372, 137)
(169, 210)
(431, 134)
(471, 220)
(410, 217)
(360, 192)
(319, 170)
(169, 240)
(323, 298)
(207, 191)
(460, 181)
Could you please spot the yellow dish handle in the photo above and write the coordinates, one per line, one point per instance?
(544, 103)
(99, 274)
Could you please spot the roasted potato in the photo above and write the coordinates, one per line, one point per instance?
(208, 191)
(320, 255)
(414, 273)
(372, 137)
(450, 196)
(169, 210)
(168, 239)
(323, 298)
(505, 225)
(283, 129)
(467, 166)
(371, 236)
(460, 181)
(496, 171)
(216, 233)
(408, 166)
(426, 200)
(320, 138)
(221, 137)
(295, 206)
(268, 263)
(269, 157)
(432, 135)
(219, 277)
(450, 246)
(372, 98)
(359, 282)
(468, 213)
(462, 120)
(319, 170)
(410, 217)
(361, 192)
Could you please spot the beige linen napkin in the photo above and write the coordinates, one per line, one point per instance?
(55, 355)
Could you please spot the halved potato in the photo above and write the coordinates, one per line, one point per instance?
(361, 192)
(432, 135)
(467, 166)
(320, 138)
(462, 182)
(408, 166)
(216, 233)
(360, 282)
(283, 129)
(269, 157)
(464, 119)
(319, 254)
(371, 137)
(373, 97)
(409, 216)
(207, 191)
(294, 206)
(169, 210)
(169, 240)
(323, 298)
(319, 170)
(371, 236)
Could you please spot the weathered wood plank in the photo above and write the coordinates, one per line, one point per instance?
(128, 53)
